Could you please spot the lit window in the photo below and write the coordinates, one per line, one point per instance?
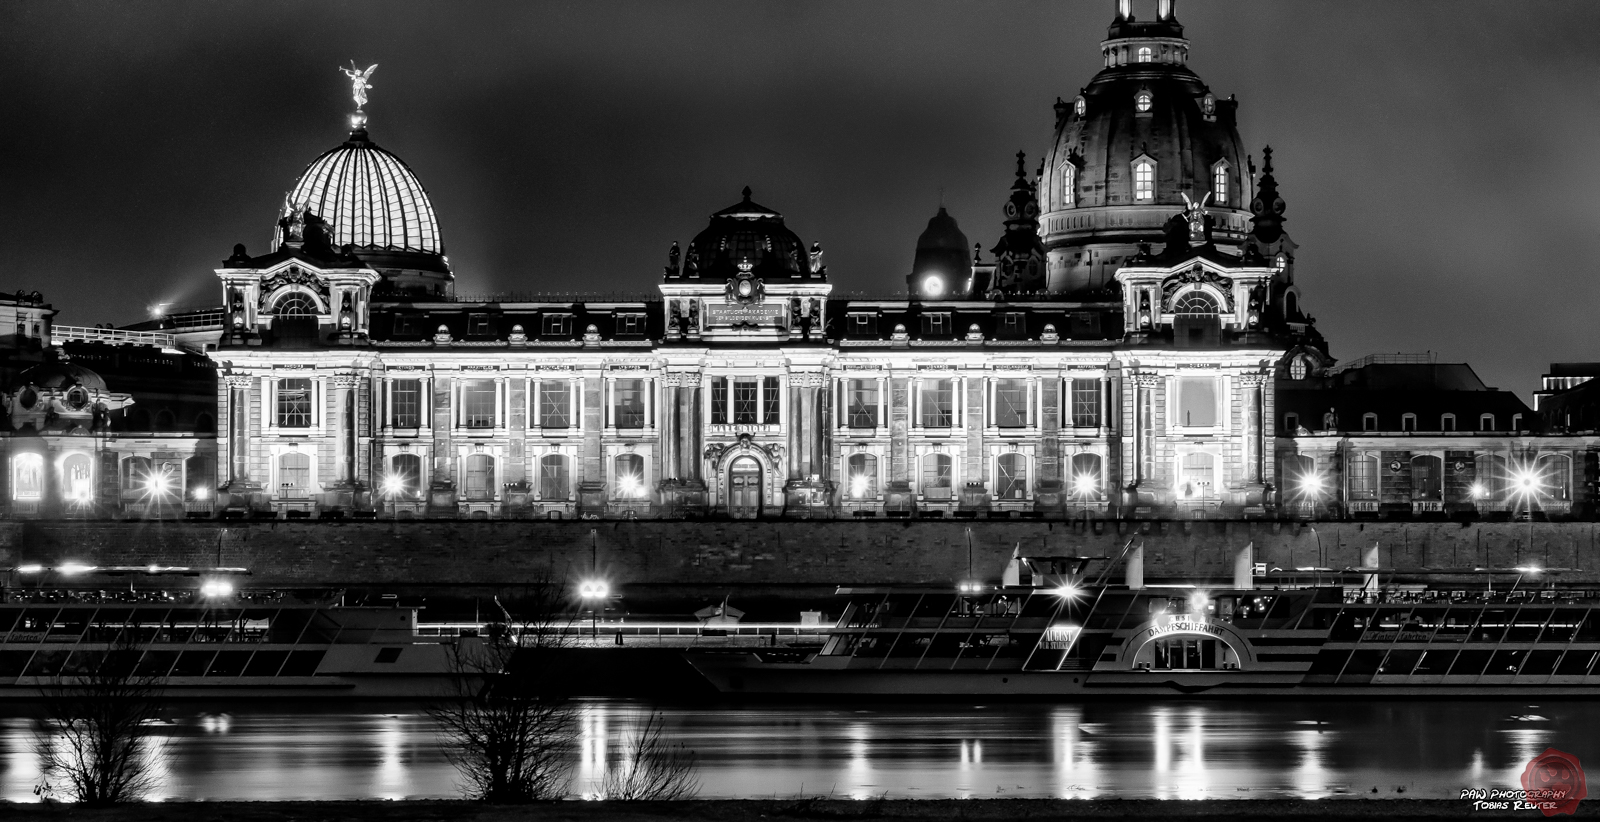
(294, 475)
(863, 473)
(295, 304)
(1011, 480)
(938, 404)
(555, 404)
(294, 403)
(627, 410)
(1363, 478)
(630, 476)
(1198, 476)
(936, 482)
(77, 479)
(405, 477)
(1068, 178)
(1144, 181)
(1081, 106)
(27, 476)
(1010, 403)
(1142, 102)
(553, 477)
(1219, 184)
(862, 404)
(1555, 476)
(1144, 54)
(1197, 402)
(1491, 476)
(1298, 368)
(557, 325)
(477, 404)
(1085, 403)
(1427, 477)
(405, 404)
(479, 477)
(1085, 475)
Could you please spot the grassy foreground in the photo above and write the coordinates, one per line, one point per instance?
(979, 810)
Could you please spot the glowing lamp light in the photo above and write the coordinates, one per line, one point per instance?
(157, 310)
(30, 569)
(1311, 484)
(1526, 482)
(215, 588)
(932, 287)
(394, 485)
(1527, 569)
(1478, 491)
(969, 587)
(631, 485)
(201, 493)
(593, 589)
(1084, 485)
(71, 568)
(1199, 600)
(1066, 591)
(859, 485)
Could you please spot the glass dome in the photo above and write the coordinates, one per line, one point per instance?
(370, 197)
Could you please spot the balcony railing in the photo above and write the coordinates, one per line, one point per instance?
(111, 336)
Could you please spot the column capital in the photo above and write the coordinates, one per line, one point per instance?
(681, 379)
(240, 381)
(346, 380)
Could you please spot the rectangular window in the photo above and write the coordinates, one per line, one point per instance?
(938, 403)
(862, 404)
(1014, 325)
(719, 401)
(553, 482)
(294, 403)
(935, 325)
(1067, 176)
(555, 404)
(1219, 185)
(1363, 478)
(1085, 403)
(769, 400)
(628, 408)
(863, 325)
(1144, 181)
(746, 393)
(1011, 403)
(405, 326)
(630, 325)
(477, 403)
(558, 325)
(479, 325)
(1197, 402)
(405, 403)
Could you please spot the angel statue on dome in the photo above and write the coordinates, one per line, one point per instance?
(358, 82)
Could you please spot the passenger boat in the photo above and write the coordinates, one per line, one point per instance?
(209, 640)
(1048, 631)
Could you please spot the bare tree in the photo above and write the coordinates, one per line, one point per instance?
(508, 725)
(653, 766)
(95, 745)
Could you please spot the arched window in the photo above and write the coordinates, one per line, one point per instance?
(199, 477)
(554, 479)
(1291, 305)
(1486, 422)
(936, 481)
(1144, 54)
(630, 476)
(294, 475)
(1363, 475)
(27, 476)
(1011, 478)
(136, 474)
(1299, 368)
(405, 477)
(1144, 180)
(205, 424)
(1491, 480)
(165, 421)
(863, 476)
(478, 478)
(1080, 106)
(1067, 177)
(1291, 423)
(1554, 472)
(1086, 478)
(1408, 422)
(1219, 184)
(295, 304)
(1369, 421)
(1197, 479)
(1427, 477)
(77, 479)
(1195, 302)
(1447, 422)
(1142, 102)
(1300, 477)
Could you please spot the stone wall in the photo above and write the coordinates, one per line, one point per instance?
(769, 553)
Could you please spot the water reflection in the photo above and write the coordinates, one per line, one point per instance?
(1167, 750)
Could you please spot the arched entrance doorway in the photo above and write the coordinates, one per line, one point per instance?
(744, 488)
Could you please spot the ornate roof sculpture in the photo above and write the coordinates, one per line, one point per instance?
(747, 236)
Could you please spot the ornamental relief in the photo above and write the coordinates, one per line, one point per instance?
(1197, 275)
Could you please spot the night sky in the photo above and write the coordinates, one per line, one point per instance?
(1438, 158)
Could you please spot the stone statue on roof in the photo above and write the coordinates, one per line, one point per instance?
(358, 82)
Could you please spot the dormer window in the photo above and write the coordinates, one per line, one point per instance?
(1486, 422)
(1369, 421)
(1447, 423)
(1144, 54)
(557, 325)
(478, 325)
(863, 325)
(1408, 423)
(1144, 180)
(935, 325)
(295, 304)
(1143, 101)
(1067, 178)
(1208, 105)
(630, 325)
(1080, 106)
(1219, 183)
(1291, 423)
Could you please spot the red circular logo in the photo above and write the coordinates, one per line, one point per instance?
(1553, 782)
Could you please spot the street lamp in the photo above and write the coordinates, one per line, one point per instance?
(1527, 483)
(593, 592)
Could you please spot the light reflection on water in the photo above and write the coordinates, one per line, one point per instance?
(1163, 750)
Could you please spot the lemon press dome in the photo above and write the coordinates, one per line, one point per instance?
(370, 197)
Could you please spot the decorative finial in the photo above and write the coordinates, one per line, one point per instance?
(1266, 160)
(358, 91)
(747, 194)
(1021, 161)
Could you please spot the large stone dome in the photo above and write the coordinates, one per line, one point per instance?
(747, 234)
(372, 201)
(1145, 133)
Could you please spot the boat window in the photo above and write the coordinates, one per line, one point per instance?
(1575, 663)
(1014, 645)
(1423, 620)
(1110, 611)
(1563, 625)
(1505, 663)
(156, 663)
(947, 645)
(1589, 629)
(229, 663)
(1492, 626)
(1321, 619)
(302, 663)
(1328, 662)
(47, 663)
(1361, 667)
(1470, 663)
(1350, 623)
(911, 644)
(1434, 663)
(875, 646)
(1182, 653)
(1389, 619)
(935, 606)
(1540, 663)
(1043, 604)
(12, 663)
(1400, 662)
(1458, 624)
(1527, 625)
(266, 663)
(193, 663)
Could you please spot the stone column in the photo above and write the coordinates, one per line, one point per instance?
(239, 428)
(803, 495)
(694, 429)
(667, 426)
(344, 386)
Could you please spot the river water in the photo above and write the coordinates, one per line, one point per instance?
(1130, 749)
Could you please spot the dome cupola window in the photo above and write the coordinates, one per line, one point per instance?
(1208, 106)
(296, 304)
(1080, 106)
(1144, 54)
(1219, 183)
(1143, 101)
(1144, 180)
(77, 398)
(1066, 179)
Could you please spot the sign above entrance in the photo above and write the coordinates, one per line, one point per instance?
(762, 314)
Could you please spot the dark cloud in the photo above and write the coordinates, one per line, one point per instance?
(1434, 155)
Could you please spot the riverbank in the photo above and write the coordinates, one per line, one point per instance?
(776, 810)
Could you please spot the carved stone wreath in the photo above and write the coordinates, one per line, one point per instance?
(1197, 275)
